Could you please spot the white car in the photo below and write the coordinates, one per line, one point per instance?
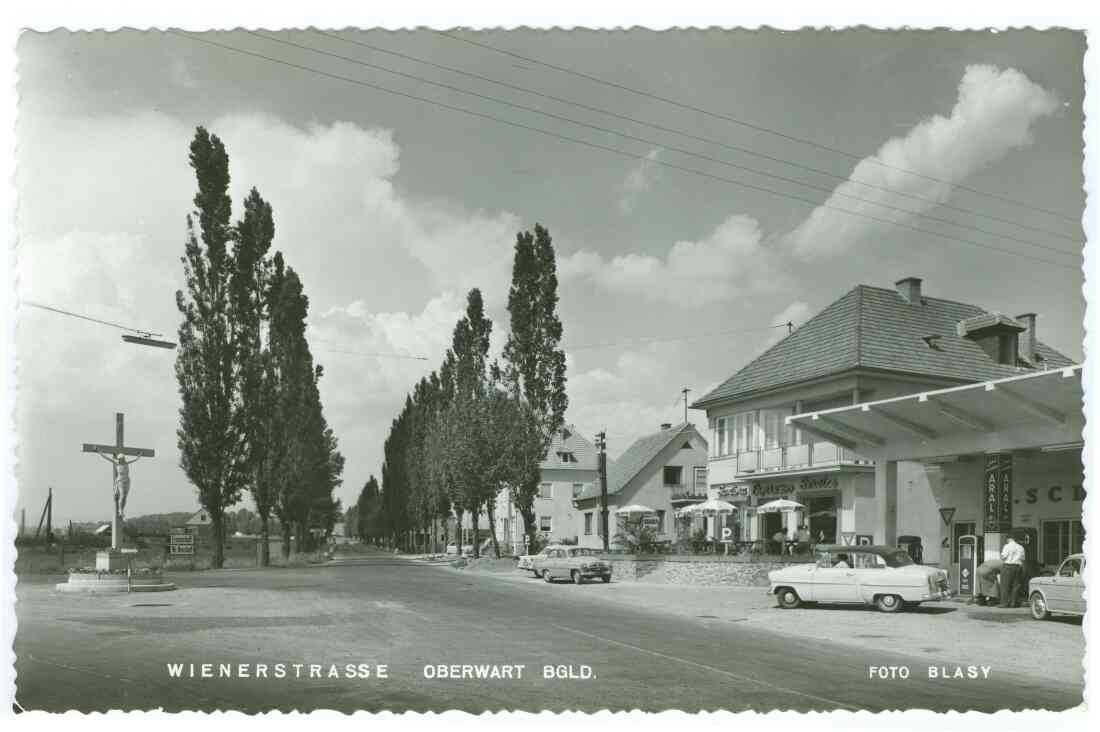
(1062, 592)
(526, 562)
(883, 576)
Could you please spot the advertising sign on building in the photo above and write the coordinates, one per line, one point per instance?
(997, 493)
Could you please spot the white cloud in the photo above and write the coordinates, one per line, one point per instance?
(731, 261)
(631, 396)
(639, 180)
(102, 235)
(993, 115)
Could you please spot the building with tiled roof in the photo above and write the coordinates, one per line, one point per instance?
(871, 344)
(872, 329)
(569, 466)
(661, 470)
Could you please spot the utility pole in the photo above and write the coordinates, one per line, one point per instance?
(601, 444)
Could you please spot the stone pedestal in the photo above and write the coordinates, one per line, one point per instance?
(110, 560)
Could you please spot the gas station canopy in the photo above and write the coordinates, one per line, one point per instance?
(1037, 410)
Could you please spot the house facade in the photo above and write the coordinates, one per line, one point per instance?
(664, 471)
(569, 466)
(872, 344)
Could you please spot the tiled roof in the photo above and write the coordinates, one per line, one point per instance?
(569, 440)
(875, 328)
(631, 462)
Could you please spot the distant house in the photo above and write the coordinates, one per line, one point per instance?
(200, 525)
(665, 470)
(568, 467)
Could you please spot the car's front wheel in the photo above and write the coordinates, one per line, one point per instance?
(788, 598)
(546, 575)
(577, 579)
(606, 578)
(1038, 605)
(889, 603)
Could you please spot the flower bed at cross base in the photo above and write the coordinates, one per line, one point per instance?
(696, 570)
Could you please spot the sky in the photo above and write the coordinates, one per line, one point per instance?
(391, 208)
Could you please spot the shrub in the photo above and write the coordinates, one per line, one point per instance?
(635, 538)
(699, 541)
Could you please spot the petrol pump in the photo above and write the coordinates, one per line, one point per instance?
(971, 552)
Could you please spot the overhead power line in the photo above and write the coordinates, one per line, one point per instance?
(682, 151)
(689, 135)
(616, 151)
(59, 311)
(671, 339)
(753, 126)
(146, 333)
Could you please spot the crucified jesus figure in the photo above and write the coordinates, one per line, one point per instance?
(122, 480)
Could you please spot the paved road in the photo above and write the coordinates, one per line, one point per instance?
(100, 653)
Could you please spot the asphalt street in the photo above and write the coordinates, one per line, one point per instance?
(96, 653)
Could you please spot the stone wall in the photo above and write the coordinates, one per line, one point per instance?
(693, 571)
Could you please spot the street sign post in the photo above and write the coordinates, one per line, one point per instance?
(181, 542)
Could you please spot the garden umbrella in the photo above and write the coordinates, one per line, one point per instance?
(711, 507)
(781, 505)
(635, 508)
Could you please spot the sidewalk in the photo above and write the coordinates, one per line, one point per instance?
(1008, 640)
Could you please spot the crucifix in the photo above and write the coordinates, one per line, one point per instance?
(116, 455)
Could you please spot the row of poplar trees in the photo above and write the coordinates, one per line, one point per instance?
(474, 428)
(251, 417)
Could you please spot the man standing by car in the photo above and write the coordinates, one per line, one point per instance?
(1013, 555)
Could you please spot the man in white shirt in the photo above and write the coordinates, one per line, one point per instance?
(1013, 556)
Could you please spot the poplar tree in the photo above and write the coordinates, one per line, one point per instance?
(251, 303)
(534, 366)
(212, 453)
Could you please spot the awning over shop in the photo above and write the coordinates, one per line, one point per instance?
(1039, 410)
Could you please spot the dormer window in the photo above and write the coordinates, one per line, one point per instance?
(933, 342)
(997, 334)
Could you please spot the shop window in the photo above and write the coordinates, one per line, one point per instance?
(821, 516)
(1060, 539)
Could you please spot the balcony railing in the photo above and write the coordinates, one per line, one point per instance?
(796, 457)
(680, 493)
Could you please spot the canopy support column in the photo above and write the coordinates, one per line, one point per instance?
(886, 502)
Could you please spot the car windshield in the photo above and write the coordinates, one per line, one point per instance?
(583, 552)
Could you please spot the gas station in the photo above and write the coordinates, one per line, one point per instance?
(957, 470)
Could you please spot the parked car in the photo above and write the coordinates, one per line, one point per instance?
(527, 561)
(577, 563)
(883, 576)
(467, 549)
(1062, 592)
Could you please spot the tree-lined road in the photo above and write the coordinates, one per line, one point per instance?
(110, 652)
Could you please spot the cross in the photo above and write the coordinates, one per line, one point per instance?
(115, 454)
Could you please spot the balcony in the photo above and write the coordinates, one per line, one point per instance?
(795, 457)
(682, 495)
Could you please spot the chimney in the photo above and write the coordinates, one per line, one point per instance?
(666, 426)
(909, 289)
(1027, 338)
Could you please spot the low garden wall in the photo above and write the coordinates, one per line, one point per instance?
(696, 570)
